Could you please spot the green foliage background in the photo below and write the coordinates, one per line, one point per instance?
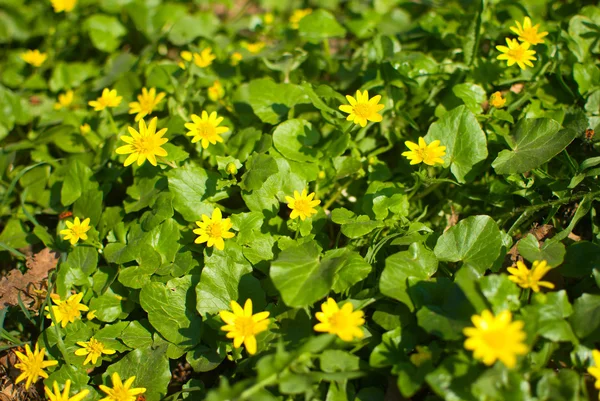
(381, 239)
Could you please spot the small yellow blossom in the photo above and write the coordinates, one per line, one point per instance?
(185, 56)
(32, 365)
(268, 18)
(302, 204)
(85, 129)
(109, 98)
(206, 129)
(34, 57)
(497, 100)
(142, 145)
(76, 230)
(595, 370)
(216, 92)
(66, 311)
(93, 349)
(63, 5)
(496, 338)
(146, 103)
(528, 33)
(57, 396)
(243, 326)
(204, 58)
(91, 315)
(64, 100)
(255, 47)
(236, 57)
(343, 322)
(423, 153)
(362, 108)
(213, 230)
(297, 15)
(121, 391)
(516, 52)
(526, 278)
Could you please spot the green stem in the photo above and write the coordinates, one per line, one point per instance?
(336, 195)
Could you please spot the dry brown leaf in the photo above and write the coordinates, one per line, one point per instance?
(517, 88)
(452, 219)
(38, 267)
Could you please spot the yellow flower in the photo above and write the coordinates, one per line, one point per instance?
(213, 229)
(216, 91)
(423, 153)
(34, 57)
(206, 129)
(85, 129)
(66, 311)
(302, 204)
(595, 370)
(236, 57)
(76, 230)
(32, 365)
(362, 108)
(186, 56)
(91, 315)
(63, 5)
(109, 98)
(145, 144)
(268, 18)
(528, 33)
(297, 15)
(93, 349)
(497, 100)
(254, 48)
(516, 53)
(243, 326)
(121, 391)
(345, 322)
(496, 338)
(146, 103)
(204, 58)
(57, 396)
(64, 100)
(526, 278)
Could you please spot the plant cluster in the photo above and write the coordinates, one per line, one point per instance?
(304, 200)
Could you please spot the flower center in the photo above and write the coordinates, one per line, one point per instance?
(95, 347)
(363, 110)
(33, 365)
(517, 53)
(144, 145)
(245, 325)
(339, 321)
(147, 104)
(302, 206)
(76, 231)
(495, 339)
(214, 230)
(121, 394)
(69, 309)
(206, 130)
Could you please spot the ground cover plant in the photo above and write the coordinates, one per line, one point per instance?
(299, 200)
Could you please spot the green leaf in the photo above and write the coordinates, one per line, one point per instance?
(108, 307)
(190, 27)
(465, 141)
(83, 259)
(298, 268)
(191, 186)
(338, 361)
(580, 260)
(71, 75)
(440, 324)
(170, 310)
(320, 25)
(105, 32)
(204, 359)
(77, 180)
(586, 75)
(472, 95)
(537, 140)
(271, 101)
(220, 279)
(137, 334)
(563, 385)
(360, 227)
(552, 252)
(500, 292)
(108, 336)
(296, 140)
(417, 263)
(586, 315)
(259, 168)
(475, 241)
(353, 268)
(150, 366)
